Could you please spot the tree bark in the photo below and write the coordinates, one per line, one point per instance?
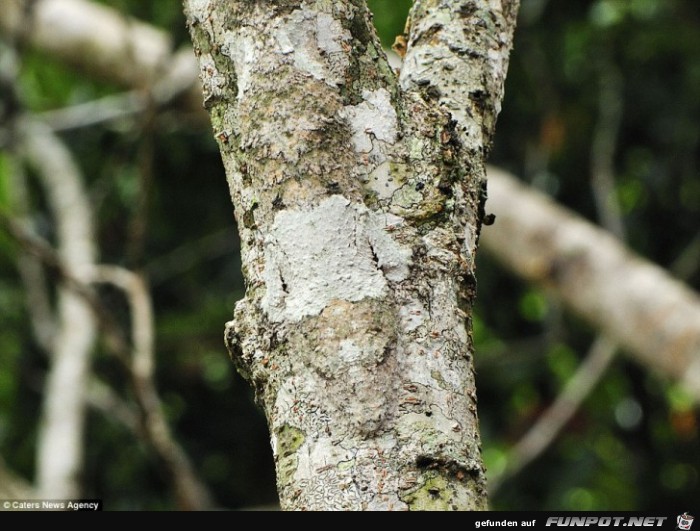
(359, 204)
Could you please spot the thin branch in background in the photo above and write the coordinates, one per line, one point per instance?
(187, 256)
(138, 222)
(102, 397)
(610, 104)
(180, 79)
(555, 418)
(61, 433)
(31, 272)
(13, 487)
(60, 446)
(601, 354)
(39, 248)
(190, 491)
(688, 262)
(107, 109)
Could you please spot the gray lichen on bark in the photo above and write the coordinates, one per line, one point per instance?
(359, 202)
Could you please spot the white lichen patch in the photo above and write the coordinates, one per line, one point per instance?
(349, 352)
(305, 36)
(244, 52)
(412, 315)
(407, 197)
(381, 181)
(393, 259)
(199, 6)
(417, 149)
(433, 435)
(336, 250)
(470, 237)
(213, 83)
(330, 34)
(375, 117)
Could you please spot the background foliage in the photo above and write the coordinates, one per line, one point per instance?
(634, 444)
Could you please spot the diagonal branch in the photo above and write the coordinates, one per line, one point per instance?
(105, 43)
(13, 486)
(554, 419)
(31, 271)
(652, 316)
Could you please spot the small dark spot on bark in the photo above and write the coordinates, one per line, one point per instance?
(375, 258)
(249, 219)
(419, 186)
(277, 202)
(430, 33)
(359, 29)
(467, 9)
(433, 92)
(477, 96)
(445, 186)
(489, 219)
(274, 340)
(423, 461)
(333, 188)
(428, 413)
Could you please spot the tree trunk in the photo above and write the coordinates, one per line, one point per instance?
(359, 200)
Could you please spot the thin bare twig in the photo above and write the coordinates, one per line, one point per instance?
(190, 491)
(36, 246)
(102, 397)
(180, 78)
(688, 261)
(189, 255)
(12, 486)
(30, 270)
(604, 147)
(554, 419)
(107, 109)
(138, 222)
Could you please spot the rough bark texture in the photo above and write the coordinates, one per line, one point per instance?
(358, 207)
(636, 303)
